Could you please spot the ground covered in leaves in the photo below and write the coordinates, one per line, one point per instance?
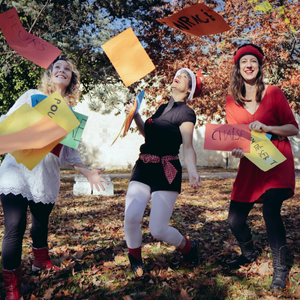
(86, 239)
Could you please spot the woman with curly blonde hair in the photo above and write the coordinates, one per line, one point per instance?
(72, 93)
(37, 189)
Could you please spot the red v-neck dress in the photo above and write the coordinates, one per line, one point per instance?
(251, 182)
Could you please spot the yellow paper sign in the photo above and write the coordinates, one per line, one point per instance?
(263, 153)
(56, 108)
(37, 130)
(20, 119)
(128, 56)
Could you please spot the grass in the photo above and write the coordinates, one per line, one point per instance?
(128, 171)
(86, 239)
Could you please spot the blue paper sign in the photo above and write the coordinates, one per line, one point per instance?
(36, 99)
(139, 99)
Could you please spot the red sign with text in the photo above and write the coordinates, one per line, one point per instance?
(198, 20)
(227, 137)
(29, 46)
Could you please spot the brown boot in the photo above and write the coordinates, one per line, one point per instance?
(42, 260)
(13, 283)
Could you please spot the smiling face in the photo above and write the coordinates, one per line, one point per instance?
(249, 68)
(61, 75)
(182, 82)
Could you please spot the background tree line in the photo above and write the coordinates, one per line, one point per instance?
(80, 27)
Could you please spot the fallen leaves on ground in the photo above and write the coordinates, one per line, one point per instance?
(86, 239)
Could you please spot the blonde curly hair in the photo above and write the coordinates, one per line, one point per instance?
(73, 91)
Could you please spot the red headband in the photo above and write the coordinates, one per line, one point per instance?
(199, 79)
(248, 50)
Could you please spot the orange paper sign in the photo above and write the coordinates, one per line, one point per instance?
(41, 134)
(227, 137)
(129, 118)
(29, 46)
(31, 157)
(197, 20)
(128, 56)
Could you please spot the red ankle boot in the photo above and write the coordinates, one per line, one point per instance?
(42, 260)
(12, 283)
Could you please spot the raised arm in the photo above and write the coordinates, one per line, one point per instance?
(137, 119)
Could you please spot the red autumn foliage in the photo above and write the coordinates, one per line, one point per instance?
(273, 25)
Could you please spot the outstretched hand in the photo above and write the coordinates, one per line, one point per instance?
(96, 180)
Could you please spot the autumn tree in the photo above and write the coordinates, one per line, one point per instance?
(273, 25)
(78, 28)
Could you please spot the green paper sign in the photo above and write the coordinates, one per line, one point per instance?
(73, 138)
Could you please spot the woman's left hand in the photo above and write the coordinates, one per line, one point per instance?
(96, 180)
(259, 127)
(195, 180)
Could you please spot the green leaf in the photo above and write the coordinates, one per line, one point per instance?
(292, 28)
(222, 45)
(287, 20)
(281, 10)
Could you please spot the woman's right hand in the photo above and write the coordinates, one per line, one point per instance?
(238, 153)
(128, 107)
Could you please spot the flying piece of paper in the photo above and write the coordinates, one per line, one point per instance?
(29, 46)
(128, 56)
(197, 20)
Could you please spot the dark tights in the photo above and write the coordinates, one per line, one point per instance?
(15, 217)
(272, 202)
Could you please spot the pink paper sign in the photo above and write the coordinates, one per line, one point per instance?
(227, 137)
(29, 46)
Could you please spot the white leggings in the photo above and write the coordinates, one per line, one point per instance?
(137, 198)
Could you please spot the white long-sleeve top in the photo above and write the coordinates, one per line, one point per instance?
(41, 184)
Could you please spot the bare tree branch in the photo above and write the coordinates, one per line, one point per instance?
(6, 58)
(48, 1)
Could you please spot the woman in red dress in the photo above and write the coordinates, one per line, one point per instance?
(265, 109)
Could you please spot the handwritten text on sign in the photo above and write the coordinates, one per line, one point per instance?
(55, 107)
(263, 153)
(197, 20)
(29, 46)
(227, 137)
(73, 138)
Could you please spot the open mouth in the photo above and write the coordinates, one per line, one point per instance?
(61, 76)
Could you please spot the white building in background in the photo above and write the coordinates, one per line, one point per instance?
(101, 130)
